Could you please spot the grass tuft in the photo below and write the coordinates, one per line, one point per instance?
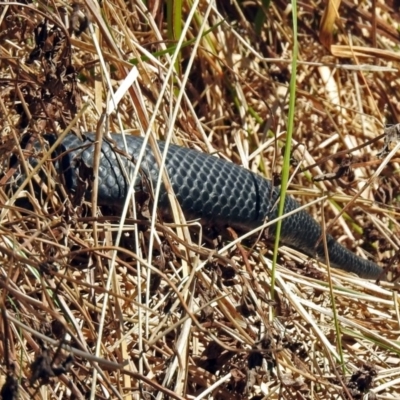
(96, 304)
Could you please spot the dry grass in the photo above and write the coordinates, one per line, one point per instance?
(147, 313)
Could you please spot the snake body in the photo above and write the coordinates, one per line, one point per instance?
(206, 187)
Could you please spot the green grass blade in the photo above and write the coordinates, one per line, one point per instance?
(286, 161)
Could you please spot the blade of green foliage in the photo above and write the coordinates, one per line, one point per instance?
(174, 23)
(286, 159)
(260, 16)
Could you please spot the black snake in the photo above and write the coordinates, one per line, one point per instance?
(206, 187)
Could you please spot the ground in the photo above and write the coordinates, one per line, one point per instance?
(95, 306)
